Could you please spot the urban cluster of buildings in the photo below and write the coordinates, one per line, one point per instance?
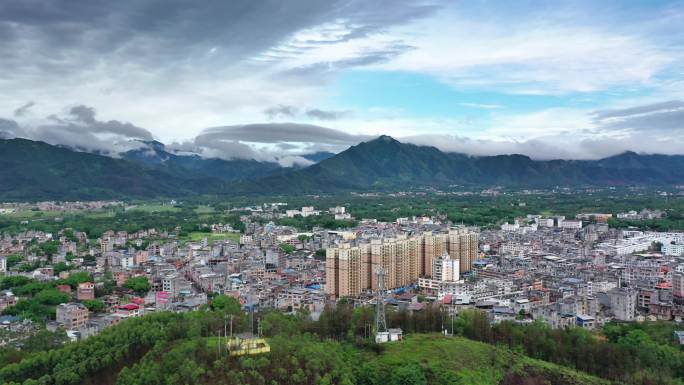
(567, 272)
(9, 208)
(257, 270)
(641, 215)
(403, 257)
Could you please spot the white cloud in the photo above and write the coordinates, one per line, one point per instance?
(528, 56)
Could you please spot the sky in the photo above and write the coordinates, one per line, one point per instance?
(273, 79)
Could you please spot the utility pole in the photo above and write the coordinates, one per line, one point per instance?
(251, 319)
(452, 322)
(441, 320)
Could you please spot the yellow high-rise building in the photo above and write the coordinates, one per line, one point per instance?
(350, 270)
(463, 245)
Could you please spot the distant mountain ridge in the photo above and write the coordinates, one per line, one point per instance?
(155, 156)
(31, 170)
(385, 163)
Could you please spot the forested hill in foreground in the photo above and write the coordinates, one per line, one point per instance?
(181, 348)
(32, 170)
(173, 349)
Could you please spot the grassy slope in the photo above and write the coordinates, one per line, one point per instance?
(473, 362)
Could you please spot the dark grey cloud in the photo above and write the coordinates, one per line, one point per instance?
(666, 118)
(80, 129)
(216, 147)
(8, 129)
(638, 110)
(84, 120)
(276, 142)
(281, 132)
(21, 111)
(281, 111)
(365, 58)
(63, 37)
(316, 113)
(657, 122)
(8, 125)
(150, 58)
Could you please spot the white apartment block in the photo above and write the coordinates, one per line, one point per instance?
(639, 241)
(309, 211)
(673, 249)
(445, 269)
(568, 224)
(515, 248)
(510, 226)
(292, 213)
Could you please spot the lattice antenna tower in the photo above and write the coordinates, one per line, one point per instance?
(380, 322)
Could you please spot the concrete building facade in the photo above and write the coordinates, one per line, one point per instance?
(350, 268)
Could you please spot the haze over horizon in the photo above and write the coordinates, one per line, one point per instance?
(268, 80)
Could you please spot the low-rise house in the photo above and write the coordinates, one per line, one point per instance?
(85, 291)
(586, 322)
(128, 310)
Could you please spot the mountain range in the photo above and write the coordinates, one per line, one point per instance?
(31, 170)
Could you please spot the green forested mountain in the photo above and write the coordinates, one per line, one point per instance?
(35, 170)
(385, 163)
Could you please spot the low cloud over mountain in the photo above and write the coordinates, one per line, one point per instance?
(652, 128)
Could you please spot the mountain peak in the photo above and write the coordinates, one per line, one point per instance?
(386, 138)
(153, 144)
(382, 141)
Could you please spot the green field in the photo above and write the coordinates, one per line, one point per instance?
(34, 215)
(203, 209)
(154, 208)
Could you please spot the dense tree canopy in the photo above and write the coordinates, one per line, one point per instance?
(138, 284)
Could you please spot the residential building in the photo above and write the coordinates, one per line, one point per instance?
(85, 291)
(71, 315)
(623, 303)
(678, 285)
(676, 249)
(350, 267)
(446, 269)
